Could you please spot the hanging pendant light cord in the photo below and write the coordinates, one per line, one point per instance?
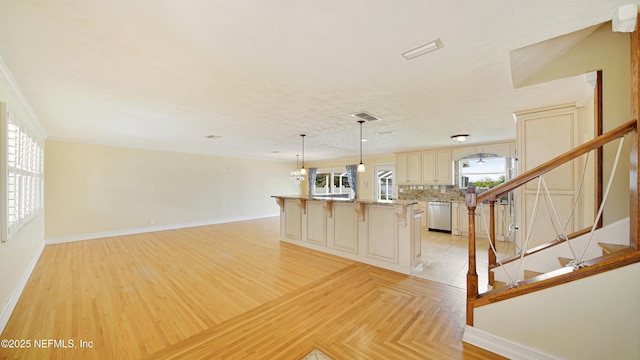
(303, 135)
(361, 121)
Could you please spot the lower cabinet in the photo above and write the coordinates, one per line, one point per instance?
(387, 235)
(422, 206)
(460, 220)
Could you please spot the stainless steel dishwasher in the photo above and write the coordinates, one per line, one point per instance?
(439, 215)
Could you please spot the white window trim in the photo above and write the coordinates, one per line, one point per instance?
(330, 190)
(504, 173)
(385, 167)
(23, 169)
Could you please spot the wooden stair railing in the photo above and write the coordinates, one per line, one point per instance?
(609, 251)
(533, 250)
(559, 276)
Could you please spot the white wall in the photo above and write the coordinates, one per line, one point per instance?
(17, 255)
(593, 318)
(95, 189)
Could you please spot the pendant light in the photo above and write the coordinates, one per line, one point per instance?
(303, 171)
(296, 176)
(361, 165)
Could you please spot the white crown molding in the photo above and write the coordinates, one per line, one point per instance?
(14, 88)
(15, 295)
(502, 346)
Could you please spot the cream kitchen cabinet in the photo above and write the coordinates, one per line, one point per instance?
(437, 167)
(463, 219)
(422, 206)
(455, 217)
(409, 168)
(542, 135)
(460, 220)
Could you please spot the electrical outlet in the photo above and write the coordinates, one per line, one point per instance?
(151, 221)
(442, 191)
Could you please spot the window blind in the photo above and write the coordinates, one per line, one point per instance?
(25, 180)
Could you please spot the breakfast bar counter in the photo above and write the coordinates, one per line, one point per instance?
(384, 234)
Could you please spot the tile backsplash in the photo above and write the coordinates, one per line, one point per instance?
(431, 192)
(436, 193)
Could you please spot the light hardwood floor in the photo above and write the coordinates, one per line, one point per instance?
(230, 291)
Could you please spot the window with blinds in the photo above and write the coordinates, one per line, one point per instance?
(25, 176)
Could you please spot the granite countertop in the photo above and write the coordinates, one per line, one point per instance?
(371, 202)
(390, 202)
(502, 202)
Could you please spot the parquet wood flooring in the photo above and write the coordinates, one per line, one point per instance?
(230, 291)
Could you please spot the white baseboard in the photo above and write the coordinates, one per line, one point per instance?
(501, 346)
(15, 295)
(81, 237)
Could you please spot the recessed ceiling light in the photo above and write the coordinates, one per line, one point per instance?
(364, 140)
(422, 49)
(213, 136)
(386, 132)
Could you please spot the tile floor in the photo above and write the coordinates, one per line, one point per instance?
(316, 355)
(445, 258)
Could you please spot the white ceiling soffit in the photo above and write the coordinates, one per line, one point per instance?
(625, 18)
(165, 74)
(527, 61)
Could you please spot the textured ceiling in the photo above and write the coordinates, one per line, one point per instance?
(165, 74)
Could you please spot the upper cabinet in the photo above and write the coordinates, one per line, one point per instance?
(409, 168)
(437, 167)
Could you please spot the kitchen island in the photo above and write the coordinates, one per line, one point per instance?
(384, 234)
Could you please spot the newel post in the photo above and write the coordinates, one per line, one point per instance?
(472, 274)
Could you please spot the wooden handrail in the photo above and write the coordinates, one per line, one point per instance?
(473, 298)
(496, 192)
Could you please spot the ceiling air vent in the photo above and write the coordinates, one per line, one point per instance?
(366, 116)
